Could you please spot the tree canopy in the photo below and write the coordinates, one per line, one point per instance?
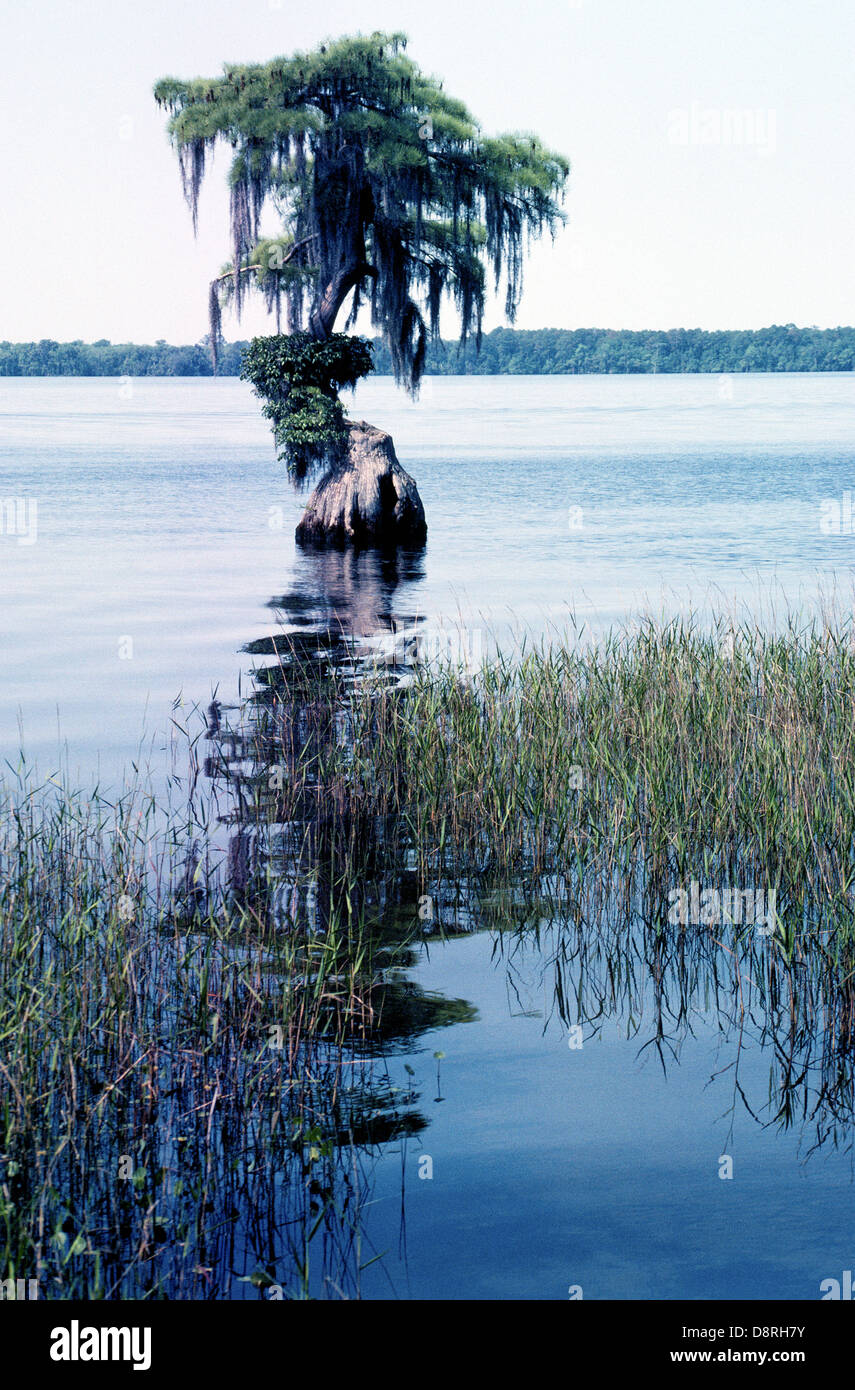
(385, 187)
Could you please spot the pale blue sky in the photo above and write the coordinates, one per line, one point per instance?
(712, 150)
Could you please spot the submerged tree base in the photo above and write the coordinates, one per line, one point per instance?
(367, 498)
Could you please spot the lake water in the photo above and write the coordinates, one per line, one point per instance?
(151, 539)
(165, 525)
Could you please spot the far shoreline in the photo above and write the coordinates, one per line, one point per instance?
(776, 350)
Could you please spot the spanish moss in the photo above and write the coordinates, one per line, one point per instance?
(384, 181)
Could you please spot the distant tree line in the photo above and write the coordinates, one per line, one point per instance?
(48, 358)
(505, 351)
(559, 351)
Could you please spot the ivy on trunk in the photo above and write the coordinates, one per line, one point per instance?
(299, 379)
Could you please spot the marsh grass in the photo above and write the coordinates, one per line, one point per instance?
(192, 1033)
(177, 1111)
(720, 755)
(572, 792)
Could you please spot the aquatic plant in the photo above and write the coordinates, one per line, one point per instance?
(179, 1104)
(195, 1011)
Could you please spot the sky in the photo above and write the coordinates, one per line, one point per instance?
(711, 144)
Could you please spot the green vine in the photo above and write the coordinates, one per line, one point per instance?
(298, 378)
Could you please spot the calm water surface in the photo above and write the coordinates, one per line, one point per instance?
(164, 518)
(164, 545)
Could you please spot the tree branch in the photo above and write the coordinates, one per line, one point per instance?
(244, 269)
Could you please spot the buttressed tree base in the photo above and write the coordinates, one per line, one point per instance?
(367, 497)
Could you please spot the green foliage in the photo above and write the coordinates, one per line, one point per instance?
(102, 358)
(505, 351)
(299, 380)
(563, 351)
(384, 184)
